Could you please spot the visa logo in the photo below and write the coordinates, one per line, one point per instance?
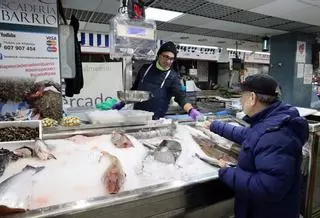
(51, 38)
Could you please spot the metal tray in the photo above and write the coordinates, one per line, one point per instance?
(130, 96)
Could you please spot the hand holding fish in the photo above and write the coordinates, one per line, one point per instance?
(206, 124)
(222, 163)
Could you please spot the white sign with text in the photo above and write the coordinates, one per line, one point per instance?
(29, 12)
(29, 55)
(101, 81)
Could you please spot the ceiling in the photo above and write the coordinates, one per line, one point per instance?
(212, 22)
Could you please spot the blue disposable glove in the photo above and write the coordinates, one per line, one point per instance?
(119, 105)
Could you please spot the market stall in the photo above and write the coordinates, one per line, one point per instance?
(148, 183)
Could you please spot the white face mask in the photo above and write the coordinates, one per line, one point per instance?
(247, 102)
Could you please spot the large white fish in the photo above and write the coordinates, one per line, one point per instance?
(15, 191)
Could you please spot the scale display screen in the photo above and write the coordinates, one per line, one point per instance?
(136, 31)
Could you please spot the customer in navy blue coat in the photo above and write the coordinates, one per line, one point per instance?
(163, 82)
(267, 178)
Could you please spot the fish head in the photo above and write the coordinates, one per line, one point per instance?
(116, 138)
(126, 142)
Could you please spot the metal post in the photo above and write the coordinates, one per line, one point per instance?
(312, 175)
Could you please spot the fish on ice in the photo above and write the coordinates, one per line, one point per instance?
(213, 150)
(25, 152)
(42, 150)
(81, 139)
(114, 176)
(6, 156)
(15, 191)
(120, 140)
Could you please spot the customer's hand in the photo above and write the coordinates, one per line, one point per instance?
(118, 106)
(206, 124)
(222, 163)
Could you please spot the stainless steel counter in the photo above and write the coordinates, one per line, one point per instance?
(171, 198)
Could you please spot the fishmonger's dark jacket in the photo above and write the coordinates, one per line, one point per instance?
(152, 82)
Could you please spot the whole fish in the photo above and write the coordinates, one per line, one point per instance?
(113, 177)
(6, 156)
(25, 152)
(15, 191)
(42, 150)
(120, 140)
(213, 150)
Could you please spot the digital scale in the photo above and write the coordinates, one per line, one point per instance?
(135, 38)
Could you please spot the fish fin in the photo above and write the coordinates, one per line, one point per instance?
(51, 156)
(36, 169)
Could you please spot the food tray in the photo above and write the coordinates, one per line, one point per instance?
(114, 117)
(136, 116)
(31, 124)
(79, 112)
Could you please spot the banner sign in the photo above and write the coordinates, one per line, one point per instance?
(102, 81)
(29, 55)
(29, 12)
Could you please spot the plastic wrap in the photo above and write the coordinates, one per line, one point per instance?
(134, 38)
(136, 116)
(105, 117)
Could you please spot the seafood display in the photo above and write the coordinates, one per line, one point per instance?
(18, 134)
(49, 105)
(161, 132)
(8, 117)
(6, 156)
(48, 122)
(168, 151)
(14, 89)
(120, 140)
(15, 191)
(113, 177)
(42, 151)
(25, 152)
(70, 121)
(89, 167)
(213, 150)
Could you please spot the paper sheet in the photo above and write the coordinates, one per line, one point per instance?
(300, 70)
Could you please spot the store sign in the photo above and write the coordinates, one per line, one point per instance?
(101, 81)
(257, 58)
(233, 54)
(29, 12)
(29, 55)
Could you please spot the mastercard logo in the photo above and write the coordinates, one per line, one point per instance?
(51, 43)
(52, 49)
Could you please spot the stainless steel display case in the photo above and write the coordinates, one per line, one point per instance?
(168, 199)
(312, 203)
